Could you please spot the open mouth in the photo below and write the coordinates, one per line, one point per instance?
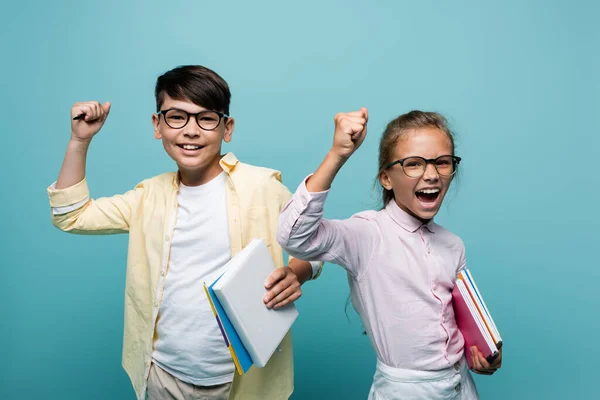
(191, 147)
(427, 196)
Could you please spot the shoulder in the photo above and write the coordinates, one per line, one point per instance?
(367, 215)
(253, 178)
(372, 220)
(450, 239)
(363, 223)
(259, 186)
(158, 182)
(259, 174)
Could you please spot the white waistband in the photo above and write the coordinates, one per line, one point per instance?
(411, 375)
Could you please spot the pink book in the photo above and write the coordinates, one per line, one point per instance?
(471, 323)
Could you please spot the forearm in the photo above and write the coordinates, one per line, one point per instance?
(321, 180)
(73, 167)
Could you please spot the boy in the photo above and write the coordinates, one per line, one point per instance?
(183, 228)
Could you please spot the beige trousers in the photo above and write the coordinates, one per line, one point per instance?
(164, 386)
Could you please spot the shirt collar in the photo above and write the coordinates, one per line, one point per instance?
(227, 162)
(407, 221)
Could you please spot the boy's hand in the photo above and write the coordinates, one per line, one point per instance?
(350, 132)
(284, 288)
(95, 114)
(481, 365)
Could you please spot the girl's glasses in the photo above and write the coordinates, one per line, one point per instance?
(414, 167)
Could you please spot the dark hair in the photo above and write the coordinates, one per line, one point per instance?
(396, 130)
(195, 83)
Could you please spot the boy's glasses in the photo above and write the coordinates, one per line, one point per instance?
(177, 119)
(414, 167)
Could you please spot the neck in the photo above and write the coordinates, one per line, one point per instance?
(200, 177)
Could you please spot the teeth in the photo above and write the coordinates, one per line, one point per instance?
(429, 191)
(190, 147)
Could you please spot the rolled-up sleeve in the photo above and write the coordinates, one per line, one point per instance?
(74, 211)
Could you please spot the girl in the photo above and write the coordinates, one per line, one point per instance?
(401, 265)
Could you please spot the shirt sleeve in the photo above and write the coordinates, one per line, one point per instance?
(304, 233)
(74, 211)
(284, 198)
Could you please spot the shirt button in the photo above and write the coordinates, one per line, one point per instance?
(167, 238)
(458, 387)
(162, 272)
(155, 304)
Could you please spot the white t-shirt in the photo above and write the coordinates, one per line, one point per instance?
(189, 344)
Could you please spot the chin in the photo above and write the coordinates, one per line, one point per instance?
(426, 214)
(193, 164)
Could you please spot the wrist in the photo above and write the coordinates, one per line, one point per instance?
(78, 144)
(302, 276)
(335, 159)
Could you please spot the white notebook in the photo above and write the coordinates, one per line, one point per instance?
(241, 290)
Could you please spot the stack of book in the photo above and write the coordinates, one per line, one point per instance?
(251, 331)
(474, 319)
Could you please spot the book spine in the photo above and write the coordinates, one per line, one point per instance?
(475, 299)
(472, 280)
(236, 362)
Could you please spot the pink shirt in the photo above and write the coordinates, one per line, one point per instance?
(401, 274)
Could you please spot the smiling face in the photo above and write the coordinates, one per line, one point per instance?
(421, 197)
(195, 151)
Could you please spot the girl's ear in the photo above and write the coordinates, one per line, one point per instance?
(385, 180)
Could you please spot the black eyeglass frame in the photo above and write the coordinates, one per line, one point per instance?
(196, 115)
(455, 161)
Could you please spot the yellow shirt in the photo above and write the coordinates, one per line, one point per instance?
(255, 196)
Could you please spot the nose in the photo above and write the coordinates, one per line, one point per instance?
(431, 174)
(191, 129)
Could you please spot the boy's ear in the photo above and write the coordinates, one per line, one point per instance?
(385, 180)
(229, 125)
(155, 122)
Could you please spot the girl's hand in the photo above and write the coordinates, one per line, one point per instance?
(481, 365)
(350, 132)
(84, 129)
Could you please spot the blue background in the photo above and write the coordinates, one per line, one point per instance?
(517, 80)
